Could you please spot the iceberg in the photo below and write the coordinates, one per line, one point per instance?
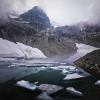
(11, 49)
(73, 76)
(27, 85)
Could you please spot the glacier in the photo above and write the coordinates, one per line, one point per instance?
(14, 50)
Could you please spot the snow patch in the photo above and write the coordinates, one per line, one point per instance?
(82, 50)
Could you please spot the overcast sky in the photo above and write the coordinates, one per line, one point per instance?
(60, 12)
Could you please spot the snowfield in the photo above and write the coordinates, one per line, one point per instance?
(11, 49)
(82, 50)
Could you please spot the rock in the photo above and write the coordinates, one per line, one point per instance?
(44, 96)
(49, 88)
(74, 92)
(90, 63)
(27, 85)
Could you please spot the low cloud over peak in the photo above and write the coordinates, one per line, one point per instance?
(61, 12)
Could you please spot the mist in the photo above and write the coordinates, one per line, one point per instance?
(60, 12)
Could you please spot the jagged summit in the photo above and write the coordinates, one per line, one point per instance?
(37, 17)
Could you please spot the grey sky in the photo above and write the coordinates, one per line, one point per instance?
(60, 12)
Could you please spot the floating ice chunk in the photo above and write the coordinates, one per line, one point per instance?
(71, 68)
(11, 66)
(73, 91)
(26, 84)
(44, 96)
(67, 67)
(49, 88)
(64, 67)
(73, 76)
(65, 71)
(54, 68)
(97, 83)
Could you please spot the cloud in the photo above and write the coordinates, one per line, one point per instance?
(73, 11)
(61, 12)
(14, 6)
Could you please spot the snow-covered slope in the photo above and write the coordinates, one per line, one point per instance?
(10, 49)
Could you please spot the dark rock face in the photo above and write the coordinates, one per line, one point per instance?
(90, 62)
(37, 18)
(15, 32)
(85, 33)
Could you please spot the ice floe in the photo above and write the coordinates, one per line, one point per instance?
(74, 92)
(61, 67)
(49, 88)
(26, 84)
(73, 76)
(97, 83)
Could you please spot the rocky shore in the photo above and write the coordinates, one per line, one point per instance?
(90, 63)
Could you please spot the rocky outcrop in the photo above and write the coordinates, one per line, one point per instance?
(90, 63)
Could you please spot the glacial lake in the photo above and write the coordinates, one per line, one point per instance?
(45, 72)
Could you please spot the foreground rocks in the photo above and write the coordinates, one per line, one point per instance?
(90, 63)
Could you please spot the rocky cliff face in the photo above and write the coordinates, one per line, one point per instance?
(90, 62)
(85, 33)
(37, 18)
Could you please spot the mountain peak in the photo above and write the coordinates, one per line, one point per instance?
(37, 18)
